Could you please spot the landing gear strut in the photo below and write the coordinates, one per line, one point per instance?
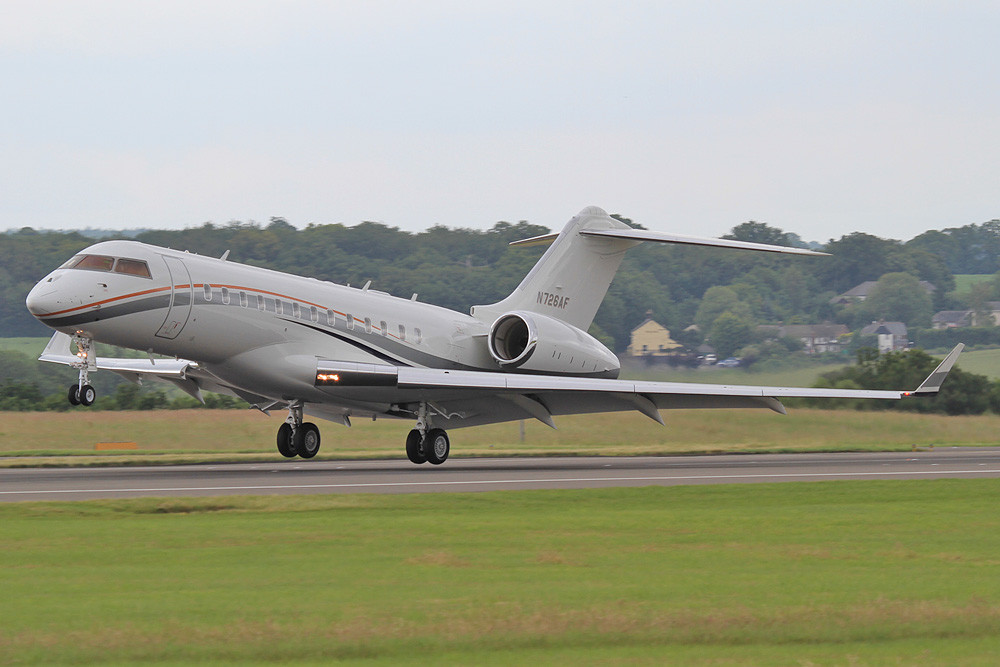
(425, 444)
(82, 393)
(298, 438)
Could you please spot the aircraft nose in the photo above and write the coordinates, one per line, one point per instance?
(43, 298)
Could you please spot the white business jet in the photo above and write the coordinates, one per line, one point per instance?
(282, 341)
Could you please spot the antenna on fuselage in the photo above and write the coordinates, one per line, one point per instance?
(225, 255)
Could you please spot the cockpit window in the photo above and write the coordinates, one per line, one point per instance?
(132, 267)
(94, 263)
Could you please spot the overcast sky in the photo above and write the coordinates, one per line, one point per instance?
(691, 117)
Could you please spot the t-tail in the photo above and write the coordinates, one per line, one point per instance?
(558, 299)
(571, 279)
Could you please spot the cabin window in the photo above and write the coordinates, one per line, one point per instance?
(260, 302)
(208, 292)
(225, 295)
(419, 336)
(384, 327)
(350, 321)
(402, 332)
(313, 314)
(368, 325)
(296, 312)
(244, 302)
(330, 319)
(132, 267)
(277, 306)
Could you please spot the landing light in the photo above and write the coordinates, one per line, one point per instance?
(327, 378)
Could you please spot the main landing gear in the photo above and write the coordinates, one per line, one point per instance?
(425, 444)
(297, 438)
(82, 393)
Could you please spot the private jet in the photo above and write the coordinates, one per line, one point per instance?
(314, 348)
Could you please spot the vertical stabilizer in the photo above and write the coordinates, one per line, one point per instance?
(571, 279)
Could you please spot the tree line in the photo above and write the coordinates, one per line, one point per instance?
(725, 294)
(681, 285)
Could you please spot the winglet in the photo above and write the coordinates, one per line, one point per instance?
(933, 382)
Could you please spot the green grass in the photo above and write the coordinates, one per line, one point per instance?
(984, 362)
(964, 282)
(194, 435)
(31, 347)
(827, 573)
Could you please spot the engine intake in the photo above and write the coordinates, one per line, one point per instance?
(541, 344)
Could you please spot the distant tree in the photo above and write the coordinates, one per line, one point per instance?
(980, 295)
(854, 259)
(729, 333)
(962, 392)
(718, 300)
(759, 232)
(899, 297)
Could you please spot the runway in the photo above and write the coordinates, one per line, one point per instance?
(470, 475)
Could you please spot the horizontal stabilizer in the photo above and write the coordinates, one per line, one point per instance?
(660, 237)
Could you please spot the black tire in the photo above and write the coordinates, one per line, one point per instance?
(306, 440)
(414, 450)
(437, 446)
(87, 395)
(285, 446)
(74, 394)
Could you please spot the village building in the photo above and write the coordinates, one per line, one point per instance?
(950, 319)
(892, 336)
(651, 339)
(860, 292)
(817, 338)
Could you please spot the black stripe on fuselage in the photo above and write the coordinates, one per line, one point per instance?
(160, 301)
(358, 344)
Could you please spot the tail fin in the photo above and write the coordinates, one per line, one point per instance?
(571, 279)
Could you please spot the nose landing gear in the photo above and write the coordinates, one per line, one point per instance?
(82, 393)
(298, 438)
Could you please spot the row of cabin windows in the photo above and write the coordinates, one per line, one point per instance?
(283, 307)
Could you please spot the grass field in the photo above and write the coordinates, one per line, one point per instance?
(964, 282)
(984, 362)
(169, 436)
(31, 347)
(825, 573)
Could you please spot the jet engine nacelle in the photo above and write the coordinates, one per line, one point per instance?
(540, 344)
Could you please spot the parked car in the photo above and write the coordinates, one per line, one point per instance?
(731, 362)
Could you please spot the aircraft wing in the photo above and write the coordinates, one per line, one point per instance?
(185, 374)
(469, 398)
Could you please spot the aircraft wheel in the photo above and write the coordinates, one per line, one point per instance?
(437, 446)
(87, 395)
(74, 394)
(306, 440)
(414, 451)
(285, 446)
